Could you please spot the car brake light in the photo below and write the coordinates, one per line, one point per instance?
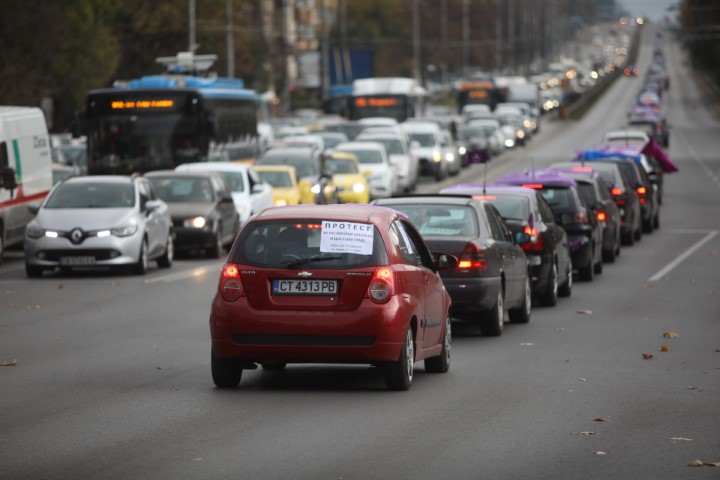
(533, 185)
(581, 169)
(484, 197)
(616, 191)
(641, 190)
(230, 285)
(382, 285)
(536, 240)
(601, 216)
(472, 258)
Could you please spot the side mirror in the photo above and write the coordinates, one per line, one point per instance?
(258, 188)
(33, 208)
(443, 261)
(152, 205)
(7, 179)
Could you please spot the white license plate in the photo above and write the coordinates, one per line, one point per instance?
(77, 261)
(304, 287)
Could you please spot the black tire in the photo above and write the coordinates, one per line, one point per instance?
(2, 243)
(565, 289)
(225, 372)
(656, 221)
(141, 267)
(522, 313)
(549, 297)
(587, 273)
(168, 256)
(216, 250)
(639, 233)
(628, 239)
(647, 225)
(598, 269)
(441, 363)
(274, 366)
(33, 271)
(492, 321)
(399, 374)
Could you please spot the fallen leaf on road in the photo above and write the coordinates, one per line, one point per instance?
(527, 344)
(588, 433)
(600, 419)
(664, 348)
(599, 452)
(174, 388)
(670, 335)
(696, 463)
(681, 439)
(10, 363)
(692, 387)
(647, 356)
(59, 286)
(561, 329)
(712, 464)
(582, 379)
(584, 312)
(161, 367)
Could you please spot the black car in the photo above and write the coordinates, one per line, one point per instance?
(203, 213)
(583, 229)
(596, 194)
(492, 272)
(622, 193)
(526, 210)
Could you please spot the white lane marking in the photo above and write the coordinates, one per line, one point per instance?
(172, 277)
(711, 234)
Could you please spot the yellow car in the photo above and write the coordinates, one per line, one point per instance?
(352, 185)
(282, 179)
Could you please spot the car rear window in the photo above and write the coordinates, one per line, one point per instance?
(561, 200)
(441, 220)
(513, 207)
(297, 244)
(587, 192)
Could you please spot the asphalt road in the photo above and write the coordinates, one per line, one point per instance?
(112, 376)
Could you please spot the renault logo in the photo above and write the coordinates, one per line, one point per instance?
(305, 274)
(76, 236)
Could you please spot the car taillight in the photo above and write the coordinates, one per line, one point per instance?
(382, 285)
(601, 216)
(536, 240)
(230, 286)
(641, 190)
(616, 191)
(472, 258)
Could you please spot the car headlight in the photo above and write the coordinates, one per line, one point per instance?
(195, 222)
(437, 156)
(450, 157)
(520, 134)
(280, 202)
(33, 230)
(509, 143)
(315, 188)
(358, 188)
(124, 231)
(462, 150)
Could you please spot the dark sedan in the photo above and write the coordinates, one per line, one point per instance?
(203, 213)
(492, 272)
(525, 210)
(583, 229)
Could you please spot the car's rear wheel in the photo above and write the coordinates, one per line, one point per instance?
(2, 244)
(225, 372)
(399, 374)
(167, 258)
(522, 313)
(141, 266)
(216, 250)
(441, 363)
(33, 271)
(492, 322)
(549, 297)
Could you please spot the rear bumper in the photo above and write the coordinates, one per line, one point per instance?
(472, 294)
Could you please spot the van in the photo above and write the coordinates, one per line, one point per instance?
(25, 170)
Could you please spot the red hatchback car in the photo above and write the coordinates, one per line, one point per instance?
(331, 284)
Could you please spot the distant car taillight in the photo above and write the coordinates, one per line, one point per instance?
(642, 193)
(382, 285)
(615, 191)
(472, 258)
(601, 216)
(230, 285)
(536, 241)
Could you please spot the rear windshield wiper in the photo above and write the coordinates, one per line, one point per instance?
(314, 258)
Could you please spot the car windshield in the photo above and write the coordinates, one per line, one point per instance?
(304, 166)
(92, 195)
(392, 145)
(441, 220)
(234, 181)
(512, 207)
(471, 132)
(297, 243)
(276, 179)
(368, 156)
(424, 139)
(183, 189)
(341, 166)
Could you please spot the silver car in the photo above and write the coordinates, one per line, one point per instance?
(99, 221)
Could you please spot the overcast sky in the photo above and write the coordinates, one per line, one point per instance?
(653, 9)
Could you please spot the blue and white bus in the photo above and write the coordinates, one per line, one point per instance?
(161, 121)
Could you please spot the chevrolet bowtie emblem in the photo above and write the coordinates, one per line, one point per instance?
(304, 274)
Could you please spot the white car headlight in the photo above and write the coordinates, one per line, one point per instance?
(315, 188)
(358, 188)
(462, 150)
(437, 156)
(124, 231)
(195, 222)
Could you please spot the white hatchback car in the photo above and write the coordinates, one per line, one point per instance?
(250, 194)
(373, 159)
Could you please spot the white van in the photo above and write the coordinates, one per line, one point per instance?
(25, 170)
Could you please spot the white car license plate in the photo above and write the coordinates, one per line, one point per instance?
(77, 261)
(304, 287)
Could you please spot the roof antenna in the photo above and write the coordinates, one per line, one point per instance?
(484, 176)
